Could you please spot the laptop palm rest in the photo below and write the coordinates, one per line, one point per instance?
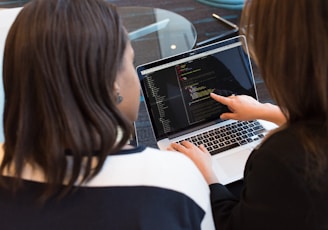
(229, 166)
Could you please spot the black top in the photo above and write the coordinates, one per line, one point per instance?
(142, 188)
(276, 193)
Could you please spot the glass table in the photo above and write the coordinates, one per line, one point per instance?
(157, 33)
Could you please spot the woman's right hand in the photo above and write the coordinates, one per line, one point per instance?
(200, 156)
(246, 108)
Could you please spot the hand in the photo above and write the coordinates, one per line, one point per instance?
(200, 156)
(242, 107)
(245, 108)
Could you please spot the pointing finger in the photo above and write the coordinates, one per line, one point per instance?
(221, 99)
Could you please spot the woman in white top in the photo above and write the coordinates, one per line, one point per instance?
(71, 96)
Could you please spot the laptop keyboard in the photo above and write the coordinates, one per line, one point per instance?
(229, 136)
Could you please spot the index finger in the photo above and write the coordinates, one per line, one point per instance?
(178, 147)
(188, 144)
(221, 99)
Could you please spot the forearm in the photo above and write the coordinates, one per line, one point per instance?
(222, 203)
(272, 113)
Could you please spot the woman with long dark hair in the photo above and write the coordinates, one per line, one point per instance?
(285, 181)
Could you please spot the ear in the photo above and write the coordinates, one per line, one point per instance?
(116, 86)
(116, 89)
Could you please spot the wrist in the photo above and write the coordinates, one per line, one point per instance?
(211, 179)
(272, 113)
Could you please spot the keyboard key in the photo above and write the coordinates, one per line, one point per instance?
(224, 149)
(229, 136)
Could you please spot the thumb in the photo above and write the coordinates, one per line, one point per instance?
(227, 116)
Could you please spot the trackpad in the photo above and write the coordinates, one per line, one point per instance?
(230, 168)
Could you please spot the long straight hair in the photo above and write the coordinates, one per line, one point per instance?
(60, 62)
(288, 40)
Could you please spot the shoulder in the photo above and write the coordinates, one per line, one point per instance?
(275, 177)
(155, 168)
(281, 158)
(155, 160)
(281, 144)
(289, 137)
(170, 160)
(288, 143)
(149, 164)
(281, 136)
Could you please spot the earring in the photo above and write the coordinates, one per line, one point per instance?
(119, 98)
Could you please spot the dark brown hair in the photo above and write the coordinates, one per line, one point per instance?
(288, 39)
(60, 62)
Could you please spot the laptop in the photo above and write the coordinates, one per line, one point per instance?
(176, 94)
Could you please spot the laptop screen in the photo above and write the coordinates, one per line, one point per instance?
(176, 89)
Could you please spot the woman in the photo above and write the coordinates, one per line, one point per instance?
(285, 179)
(71, 96)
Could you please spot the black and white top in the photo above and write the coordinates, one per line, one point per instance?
(141, 188)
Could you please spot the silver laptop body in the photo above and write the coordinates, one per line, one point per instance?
(176, 93)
